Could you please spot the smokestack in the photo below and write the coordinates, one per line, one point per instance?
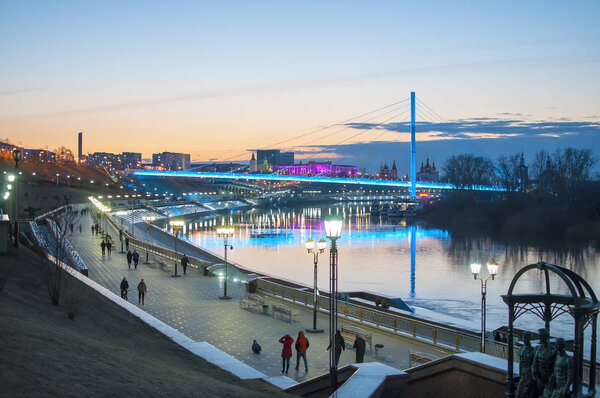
(80, 148)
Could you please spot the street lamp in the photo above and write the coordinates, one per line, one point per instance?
(121, 213)
(225, 232)
(17, 154)
(148, 220)
(176, 225)
(333, 230)
(310, 246)
(492, 267)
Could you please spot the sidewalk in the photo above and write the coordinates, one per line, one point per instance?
(191, 305)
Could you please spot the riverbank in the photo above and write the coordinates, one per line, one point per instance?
(103, 351)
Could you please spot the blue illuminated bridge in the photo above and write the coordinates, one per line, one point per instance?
(305, 179)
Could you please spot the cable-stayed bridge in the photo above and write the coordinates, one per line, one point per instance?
(396, 124)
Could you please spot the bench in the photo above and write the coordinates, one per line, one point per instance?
(281, 310)
(416, 359)
(349, 335)
(252, 302)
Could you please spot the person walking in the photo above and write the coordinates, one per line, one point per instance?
(126, 243)
(184, 263)
(136, 258)
(302, 345)
(109, 247)
(96, 227)
(129, 258)
(340, 345)
(286, 352)
(141, 291)
(124, 288)
(93, 230)
(80, 228)
(359, 345)
(103, 247)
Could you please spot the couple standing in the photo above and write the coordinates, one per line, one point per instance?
(302, 345)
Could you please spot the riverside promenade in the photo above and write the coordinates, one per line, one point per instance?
(191, 305)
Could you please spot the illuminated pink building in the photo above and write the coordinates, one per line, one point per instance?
(318, 169)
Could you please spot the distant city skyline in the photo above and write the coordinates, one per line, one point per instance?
(217, 79)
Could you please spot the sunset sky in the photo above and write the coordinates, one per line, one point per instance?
(217, 78)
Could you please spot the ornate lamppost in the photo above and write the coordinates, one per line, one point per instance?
(122, 214)
(148, 220)
(225, 232)
(493, 271)
(310, 246)
(176, 225)
(333, 230)
(17, 154)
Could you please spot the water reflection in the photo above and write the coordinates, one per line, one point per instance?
(381, 256)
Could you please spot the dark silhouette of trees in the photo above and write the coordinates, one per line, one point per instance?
(467, 170)
(507, 170)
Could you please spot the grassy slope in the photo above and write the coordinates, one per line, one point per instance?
(103, 351)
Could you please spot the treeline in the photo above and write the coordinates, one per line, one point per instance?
(554, 199)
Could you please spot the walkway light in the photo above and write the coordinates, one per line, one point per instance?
(492, 267)
(225, 232)
(310, 246)
(176, 225)
(333, 230)
(148, 220)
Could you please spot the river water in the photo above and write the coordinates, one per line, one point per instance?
(424, 266)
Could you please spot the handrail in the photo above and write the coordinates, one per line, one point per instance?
(76, 260)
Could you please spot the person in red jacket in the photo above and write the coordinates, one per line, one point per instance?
(286, 352)
(301, 347)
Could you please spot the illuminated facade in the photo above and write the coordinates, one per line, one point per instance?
(317, 169)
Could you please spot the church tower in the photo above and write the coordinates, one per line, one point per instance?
(253, 165)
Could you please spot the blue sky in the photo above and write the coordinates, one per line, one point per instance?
(216, 78)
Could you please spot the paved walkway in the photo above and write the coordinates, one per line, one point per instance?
(191, 305)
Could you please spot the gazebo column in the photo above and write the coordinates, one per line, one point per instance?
(593, 355)
(510, 383)
(577, 351)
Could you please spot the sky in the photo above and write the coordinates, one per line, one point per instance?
(217, 79)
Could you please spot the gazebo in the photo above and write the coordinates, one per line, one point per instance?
(581, 303)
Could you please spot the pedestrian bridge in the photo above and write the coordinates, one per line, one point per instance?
(305, 179)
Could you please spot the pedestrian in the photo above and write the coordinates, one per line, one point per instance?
(384, 304)
(124, 288)
(80, 228)
(256, 348)
(136, 258)
(126, 243)
(286, 352)
(184, 263)
(71, 227)
(377, 301)
(109, 246)
(93, 230)
(97, 227)
(340, 345)
(129, 258)
(141, 291)
(359, 345)
(302, 345)
(103, 246)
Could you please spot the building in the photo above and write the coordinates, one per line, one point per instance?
(267, 159)
(522, 175)
(318, 169)
(428, 172)
(253, 165)
(172, 160)
(131, 160)
(39, 156)
(385, 173)
(104, 159)
(79, 148)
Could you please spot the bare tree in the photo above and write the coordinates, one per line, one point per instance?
(467, 170)
(73, 298)
(565, 170)
(507, 170)
(62, 223)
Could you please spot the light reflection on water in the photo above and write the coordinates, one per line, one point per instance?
(425, 266)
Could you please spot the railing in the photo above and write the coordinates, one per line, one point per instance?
(38, 235)
(62, 240)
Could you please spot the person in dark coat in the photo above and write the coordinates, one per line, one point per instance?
(359, 345)
(93, 230)
(126, 243)
(184, 263)
(136, 258)
(124, 288)
(109, 246)
(286, 352)
(141, 291)
(302, 345)
(340, 345)
(103, 247)
(256, 348)
(129, 258)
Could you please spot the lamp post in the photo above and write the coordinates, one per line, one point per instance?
(225, 232)
(333, 230)
(310, 246)
(493, 271)
(176, 225)
(148, 220)
(132, 227)
(17, 154)
(121, 214)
